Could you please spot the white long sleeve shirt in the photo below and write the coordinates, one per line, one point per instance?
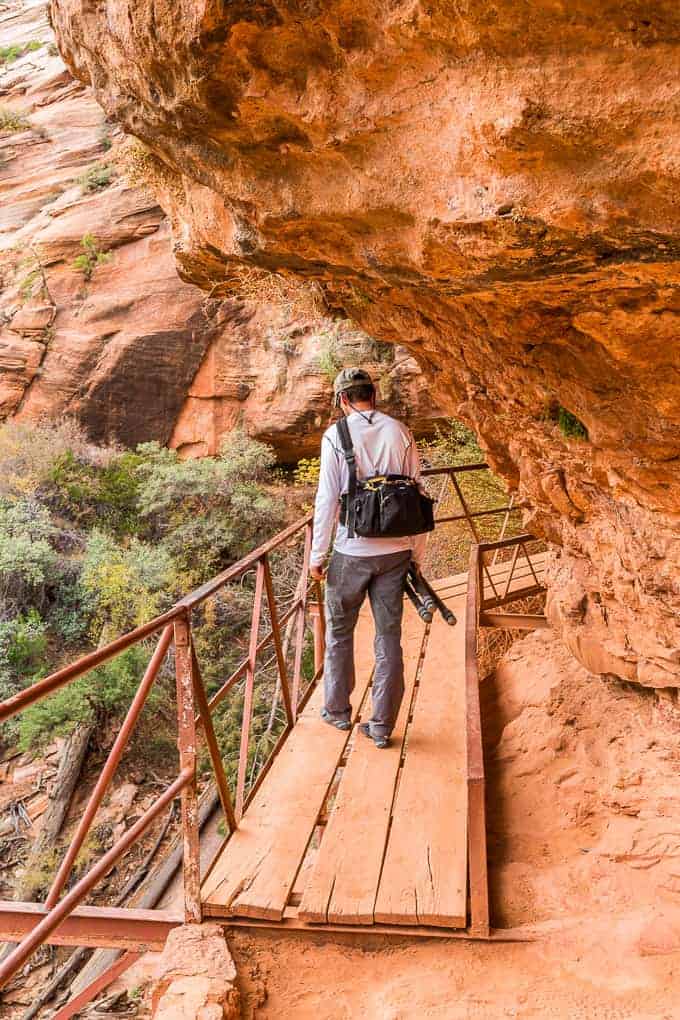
(382, 445)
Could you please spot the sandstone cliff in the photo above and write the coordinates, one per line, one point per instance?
(94, 322)
(492, 186)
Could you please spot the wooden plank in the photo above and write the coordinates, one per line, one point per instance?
(257, 868)
(424, 877)
(291, 923)
(514, 621)
(343, 883)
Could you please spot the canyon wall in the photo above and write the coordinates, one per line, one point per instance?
(94, 321)
(494, 187)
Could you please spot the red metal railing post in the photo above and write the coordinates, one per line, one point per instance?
(315, 611)
(186, 742)
(249, 688)
(301, 591)
(205, 717)
(278, 645)
(110, 766)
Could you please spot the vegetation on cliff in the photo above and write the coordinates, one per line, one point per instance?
(93, 541)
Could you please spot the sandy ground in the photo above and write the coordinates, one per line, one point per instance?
(601, 974)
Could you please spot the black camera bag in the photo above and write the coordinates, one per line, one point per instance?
(383, 506)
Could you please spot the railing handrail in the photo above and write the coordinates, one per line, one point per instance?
(504, 543)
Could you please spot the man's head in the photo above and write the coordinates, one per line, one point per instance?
(353, 387)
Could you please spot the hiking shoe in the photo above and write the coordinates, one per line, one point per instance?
(380, 742)
(340, 724)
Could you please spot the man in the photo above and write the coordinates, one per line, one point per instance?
(358, 565)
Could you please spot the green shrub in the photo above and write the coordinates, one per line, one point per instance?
(127, 584)
(91, 257)
(28, 282)
(103, 692)
(8, 54)
(27, 557)
(71, 608)
(328, 359)
(97, 177)
(29, 452)
(454, 444)
(23, 642)
(569, 425)
(94, 495)
(208, 511)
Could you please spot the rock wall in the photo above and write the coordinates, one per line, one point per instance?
(118, 341)
(264, 373)
(492, 186)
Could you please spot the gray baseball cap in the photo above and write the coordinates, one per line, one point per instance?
(348, 378)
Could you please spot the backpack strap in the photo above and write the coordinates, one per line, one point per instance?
(348, 451)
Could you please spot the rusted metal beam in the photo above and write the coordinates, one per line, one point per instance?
(278, 647)
(110, 766)
(53, 918)
(506, 542)
(471, 524)
(186, 742)
(322, 621)
(300, 624)
(101, 982)
(249, 688)
(317, 633)
(211, 740)
(506, 520)
(457, 469)
(98, 927)
(514, 621)
(518, 593)
(479, 513)
(508, 579)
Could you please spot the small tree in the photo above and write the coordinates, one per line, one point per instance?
(91, 257)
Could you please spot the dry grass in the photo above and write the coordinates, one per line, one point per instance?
(492, 643)
(28, 452)
(141, 168)
(294, 297)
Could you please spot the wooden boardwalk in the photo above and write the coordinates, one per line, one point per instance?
(340, 833)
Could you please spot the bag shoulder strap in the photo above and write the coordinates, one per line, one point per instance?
(348, 451)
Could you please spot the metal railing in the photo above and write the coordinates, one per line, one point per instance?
(487, 591)
(194, 713)
(195, 716)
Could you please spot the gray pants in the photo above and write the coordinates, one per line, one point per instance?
(348, 580)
